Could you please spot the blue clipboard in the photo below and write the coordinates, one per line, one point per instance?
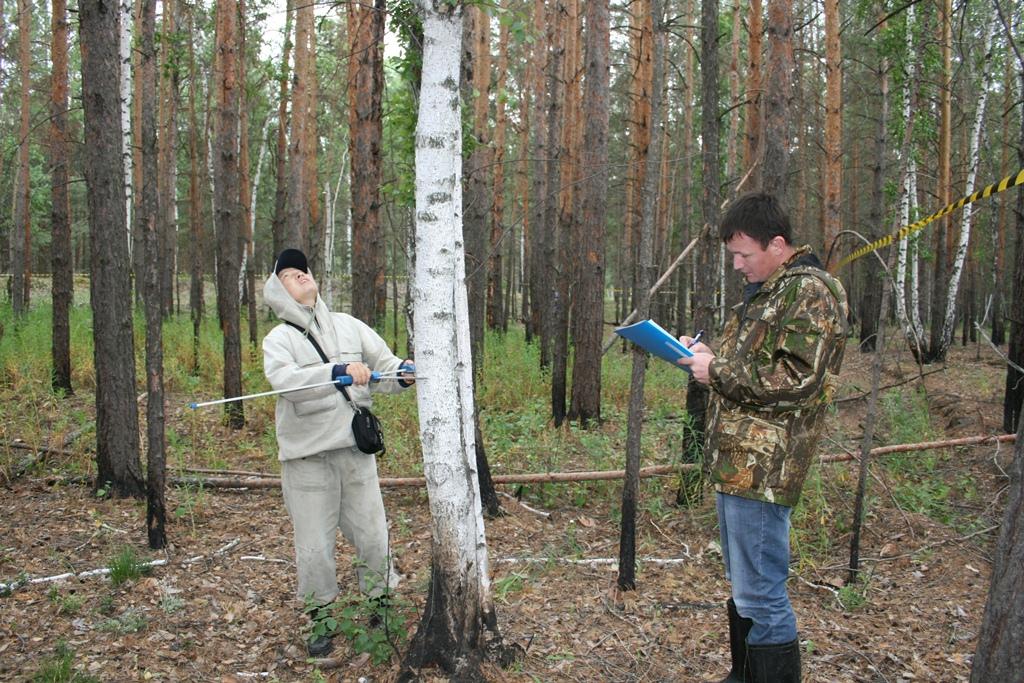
(653, 338)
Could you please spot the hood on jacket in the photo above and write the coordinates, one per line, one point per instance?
(287, 309)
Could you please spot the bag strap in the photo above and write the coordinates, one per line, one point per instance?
(323, 357)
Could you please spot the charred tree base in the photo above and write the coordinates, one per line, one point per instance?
(451, 637)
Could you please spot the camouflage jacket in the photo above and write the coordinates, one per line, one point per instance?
(772, 380)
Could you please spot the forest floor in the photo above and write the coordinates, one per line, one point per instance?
(230, 615)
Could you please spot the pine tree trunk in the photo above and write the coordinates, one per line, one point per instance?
(752, 152)
(496, 316)
(871, 295)
(195, 206)
(560, 181)
(149, 213)
(539, 95)
(1003, 219)
(60, 207)
(690, 489)
(475, 84)
(644, 279)
(778, 100)
(279, 226)
(167, 175)
(588, 305)
(119, 471)
(21, 224)
(228, 208)
(365, 90)
(833, 146)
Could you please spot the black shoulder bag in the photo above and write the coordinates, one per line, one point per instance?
(365, 425)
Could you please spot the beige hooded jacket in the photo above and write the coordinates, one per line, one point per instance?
(319, 419)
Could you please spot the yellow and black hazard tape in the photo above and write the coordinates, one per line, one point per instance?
(907, 230)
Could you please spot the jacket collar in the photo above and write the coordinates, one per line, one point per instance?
(801, 257)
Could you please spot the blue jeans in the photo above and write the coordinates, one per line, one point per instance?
(755, 548)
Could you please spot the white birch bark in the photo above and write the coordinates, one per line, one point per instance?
(914, 256)
(330, 227)
(912, 329)
(254, 192)
(442, 352)
(328, 245)
(125, 50)
(972, 174)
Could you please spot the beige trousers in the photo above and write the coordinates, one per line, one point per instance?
(325, 492)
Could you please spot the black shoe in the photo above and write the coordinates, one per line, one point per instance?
(739, 628)
(775, 663)
(320, 646)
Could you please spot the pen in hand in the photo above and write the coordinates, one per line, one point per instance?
(696, 338)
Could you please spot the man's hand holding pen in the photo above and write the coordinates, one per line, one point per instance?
(700, 360)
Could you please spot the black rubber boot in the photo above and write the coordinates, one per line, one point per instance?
(739, 627)
(775, 663)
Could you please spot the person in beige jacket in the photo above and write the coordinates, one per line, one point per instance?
(327, 482)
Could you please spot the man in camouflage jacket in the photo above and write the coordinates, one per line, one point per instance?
(772, 380)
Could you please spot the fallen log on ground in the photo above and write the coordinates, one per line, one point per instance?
(258, 480)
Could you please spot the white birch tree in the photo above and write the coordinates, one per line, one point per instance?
(459, 604)
(125, 51)
(913, 331)
(949, 320)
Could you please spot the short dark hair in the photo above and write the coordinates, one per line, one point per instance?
(758, 216)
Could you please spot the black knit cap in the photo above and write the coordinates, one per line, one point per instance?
(291, 258)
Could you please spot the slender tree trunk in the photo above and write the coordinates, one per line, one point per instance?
(539, 95)
(778, 100)
(119, 471)
(1003, 219)
(279, 227)
(684, 276)
(149, 215)
(124, 44)
(167, 176)
(138, 238)
(690, 489)
(833, 176)
(752, 152)
(588, 306)
(644, 279)
(872, 295)
(495, 302)
(303, 188)
(228, 209)
(943, 230)
(60, 206)
(246, 276)
(475, 84)
(909, 321)
(366, 88)
(195, 206)
(560, 126)
(973, 160)
(640, 63)
(21, 225)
